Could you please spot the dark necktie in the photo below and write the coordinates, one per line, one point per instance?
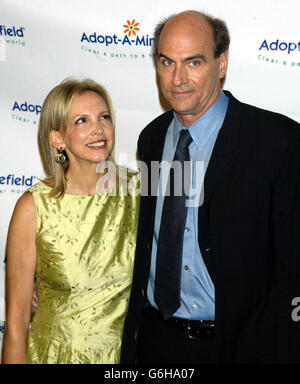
(170, 239)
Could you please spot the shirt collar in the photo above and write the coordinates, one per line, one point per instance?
(207, 124)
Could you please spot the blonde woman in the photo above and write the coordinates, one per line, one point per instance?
(77, 243)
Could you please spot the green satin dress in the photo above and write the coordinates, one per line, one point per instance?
(85, 247)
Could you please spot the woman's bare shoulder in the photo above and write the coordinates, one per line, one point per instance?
(24, 209)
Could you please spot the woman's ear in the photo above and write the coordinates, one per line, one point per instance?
(56, 140)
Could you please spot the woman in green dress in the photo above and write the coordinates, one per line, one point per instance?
(77, 243)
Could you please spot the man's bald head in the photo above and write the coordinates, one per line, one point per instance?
(221, 38)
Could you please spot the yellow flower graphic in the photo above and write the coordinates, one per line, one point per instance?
(131, 27)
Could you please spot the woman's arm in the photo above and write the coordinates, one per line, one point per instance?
(20, 272)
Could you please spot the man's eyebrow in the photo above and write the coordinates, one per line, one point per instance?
(194, 57)
(164, 56)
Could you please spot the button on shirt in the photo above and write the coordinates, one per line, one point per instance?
(197, 289)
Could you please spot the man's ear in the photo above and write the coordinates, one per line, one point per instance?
(223, 64)
(56, 140)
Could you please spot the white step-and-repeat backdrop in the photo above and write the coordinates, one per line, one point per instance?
(44, 41)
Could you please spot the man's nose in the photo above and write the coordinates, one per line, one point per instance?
(179, 75)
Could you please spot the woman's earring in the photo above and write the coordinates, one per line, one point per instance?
(60, 158)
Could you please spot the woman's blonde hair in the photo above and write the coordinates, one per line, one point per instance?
(54, 116)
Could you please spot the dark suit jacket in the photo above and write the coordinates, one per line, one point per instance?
(248, 236)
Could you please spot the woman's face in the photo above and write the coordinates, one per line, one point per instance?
(89, 135)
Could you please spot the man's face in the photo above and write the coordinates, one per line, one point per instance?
(188, 72)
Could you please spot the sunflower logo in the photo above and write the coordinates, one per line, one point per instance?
(131, 27)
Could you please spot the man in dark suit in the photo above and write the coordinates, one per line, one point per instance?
(215, 283)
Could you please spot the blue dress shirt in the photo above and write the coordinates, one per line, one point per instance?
(197, 289)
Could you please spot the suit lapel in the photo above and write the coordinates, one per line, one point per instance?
(154, 154)
(223, 153)
(218, 171)
(159, 136)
